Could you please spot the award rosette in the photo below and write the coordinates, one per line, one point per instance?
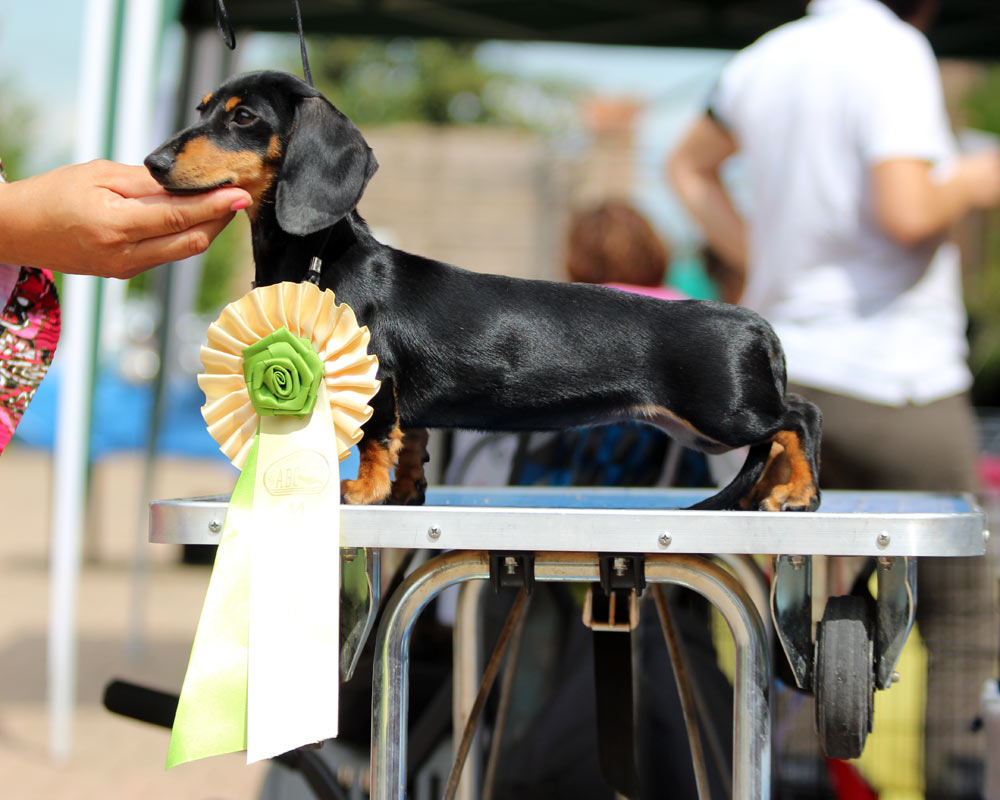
(287, 383)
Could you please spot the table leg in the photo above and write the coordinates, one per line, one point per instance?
(751, 709)
(468, 661)
(751, 714)
(390, 676)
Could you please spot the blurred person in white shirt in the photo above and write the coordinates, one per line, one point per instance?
(854, 179)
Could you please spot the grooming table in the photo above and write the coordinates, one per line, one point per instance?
(570, 531)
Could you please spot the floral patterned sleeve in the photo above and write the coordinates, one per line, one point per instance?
(29, 331)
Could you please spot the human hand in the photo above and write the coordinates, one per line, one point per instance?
(107, 219)
(912, 204)
(983, 171)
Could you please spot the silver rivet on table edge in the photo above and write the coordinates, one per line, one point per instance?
(665, 539)
(434, 531)
(883, 539)
(894, 677)
(215, 526)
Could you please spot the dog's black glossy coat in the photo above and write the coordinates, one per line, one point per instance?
(459, 349)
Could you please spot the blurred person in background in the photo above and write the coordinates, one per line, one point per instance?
(99, 218)
(615, 245)
(854, 179)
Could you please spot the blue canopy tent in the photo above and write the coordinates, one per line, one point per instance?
(963, 28)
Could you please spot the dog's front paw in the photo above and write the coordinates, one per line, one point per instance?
(409, 492)
(364, 493)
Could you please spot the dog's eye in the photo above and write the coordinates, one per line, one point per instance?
(243, 116)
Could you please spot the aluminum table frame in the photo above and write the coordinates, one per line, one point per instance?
(566, 528)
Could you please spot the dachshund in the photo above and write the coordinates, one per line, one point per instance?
(460, 349)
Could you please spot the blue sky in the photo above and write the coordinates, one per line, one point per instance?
(39, 43)
(40, 52)
(39, 57)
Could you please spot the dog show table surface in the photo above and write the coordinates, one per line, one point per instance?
(568, 530)
(628, 521)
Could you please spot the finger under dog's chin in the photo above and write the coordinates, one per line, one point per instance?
(255, 188)
(185, 188)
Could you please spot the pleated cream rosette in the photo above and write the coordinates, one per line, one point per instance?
(307, 311)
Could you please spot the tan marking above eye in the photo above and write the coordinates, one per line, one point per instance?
(206, 99)
(232, 102)
(274, 148)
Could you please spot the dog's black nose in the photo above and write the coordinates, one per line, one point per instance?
(159, 164)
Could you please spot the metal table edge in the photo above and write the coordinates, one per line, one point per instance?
(198, 520)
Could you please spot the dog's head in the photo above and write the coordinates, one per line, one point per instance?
(278, 138)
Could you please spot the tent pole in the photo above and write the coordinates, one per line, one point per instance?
(73, 409)
(136, 640)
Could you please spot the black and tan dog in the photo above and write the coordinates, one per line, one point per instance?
(459, 349)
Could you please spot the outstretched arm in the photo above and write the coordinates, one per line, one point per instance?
(693, 169)
(911, 204)
(107, 219)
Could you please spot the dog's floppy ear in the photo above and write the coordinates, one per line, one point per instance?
(326, 167)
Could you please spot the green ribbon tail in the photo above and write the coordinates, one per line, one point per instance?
(211, 715)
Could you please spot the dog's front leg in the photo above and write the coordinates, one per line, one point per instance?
(410, 484)
(379, 450)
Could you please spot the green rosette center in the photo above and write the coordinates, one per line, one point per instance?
(282, 373)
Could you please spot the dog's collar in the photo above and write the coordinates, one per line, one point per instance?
(313, 274)
(315, 270)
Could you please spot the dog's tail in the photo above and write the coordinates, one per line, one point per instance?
(728, 498)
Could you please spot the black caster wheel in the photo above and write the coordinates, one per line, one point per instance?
(844, 677)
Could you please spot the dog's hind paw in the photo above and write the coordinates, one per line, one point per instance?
(782, 500)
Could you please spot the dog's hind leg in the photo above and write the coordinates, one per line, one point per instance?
(736, 493)
(790, 481)
(780, 472)
(410, 484)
